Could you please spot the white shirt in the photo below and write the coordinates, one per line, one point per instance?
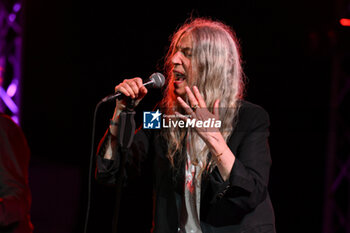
(189, 219)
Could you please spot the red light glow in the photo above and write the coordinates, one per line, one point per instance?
(345, 22)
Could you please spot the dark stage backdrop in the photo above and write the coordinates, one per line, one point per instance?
(75, 53)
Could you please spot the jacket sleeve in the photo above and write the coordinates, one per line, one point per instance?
(246, 187)
(107, 170)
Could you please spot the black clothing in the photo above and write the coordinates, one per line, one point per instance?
(240, 204)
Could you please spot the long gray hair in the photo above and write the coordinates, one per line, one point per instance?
(217, 72)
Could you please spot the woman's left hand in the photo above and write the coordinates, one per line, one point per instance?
(199, 111)
(210, 135)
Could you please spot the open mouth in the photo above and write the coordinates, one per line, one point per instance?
(179, 77)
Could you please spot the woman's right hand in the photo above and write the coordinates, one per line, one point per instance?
(132, 88)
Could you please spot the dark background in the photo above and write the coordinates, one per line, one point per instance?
(74, 53)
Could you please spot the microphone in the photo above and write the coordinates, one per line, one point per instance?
(156, 80)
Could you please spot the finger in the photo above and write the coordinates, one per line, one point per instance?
(138, 82)
(128, 89)
(199, 97)
(123, 90)
(134, 87)
(183, 104)
(216, 110)
(142, 90)
(182, 117)
(191, 98)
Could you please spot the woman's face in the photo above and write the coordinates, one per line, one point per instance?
(181, 61)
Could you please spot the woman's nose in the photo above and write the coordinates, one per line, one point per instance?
(176, 59)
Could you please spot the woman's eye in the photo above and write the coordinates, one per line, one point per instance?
(187, 53)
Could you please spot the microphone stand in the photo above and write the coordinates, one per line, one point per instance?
(126, 131)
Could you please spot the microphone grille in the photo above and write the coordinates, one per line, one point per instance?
(158, 80)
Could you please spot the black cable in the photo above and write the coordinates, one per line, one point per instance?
(130, 114)
(90, 167)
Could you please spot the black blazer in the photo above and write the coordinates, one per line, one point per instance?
(240, 204)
